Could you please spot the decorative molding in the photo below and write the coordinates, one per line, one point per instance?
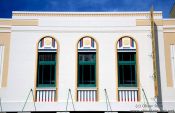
(169, 22)
(169, 29)
(18, 22)
(70, 14)
(25, 22)
(5, 22)
(147, 22)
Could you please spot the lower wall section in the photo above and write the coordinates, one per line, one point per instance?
(80, 106)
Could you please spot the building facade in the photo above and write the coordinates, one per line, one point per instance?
(87, 61)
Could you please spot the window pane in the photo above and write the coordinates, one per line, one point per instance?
(40, 75)
(120, 72)
(47, 56)
(127, 74)
(80, 74)
(127, 69)
(53, 74)
(133, 74)
(46, 74)
(126, 56)
(46, 69)
(86, 69)
(86, 74)
(87, 57)
(93, 74)
(120, 56)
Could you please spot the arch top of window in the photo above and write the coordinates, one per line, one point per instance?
(126, 44)
(86, 44)
(47, 44)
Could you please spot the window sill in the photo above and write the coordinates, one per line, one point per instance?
(87, 88)
(46, 88)
(127, 88)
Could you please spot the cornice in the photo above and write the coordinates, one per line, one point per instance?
(82, 14)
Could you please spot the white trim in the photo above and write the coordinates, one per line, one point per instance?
(5, 31)
(34, 12)
(127, 88)
(172, 52)
(1, 62)
(87, 88)
(46, 88)
(169, 26)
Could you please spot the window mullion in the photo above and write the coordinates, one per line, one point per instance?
(131, 74)
(50, 74)
(95, 73)
(119, 82)
(55, 75)
(90, 66)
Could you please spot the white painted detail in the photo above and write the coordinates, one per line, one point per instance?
(172, 50)
(128, 94)
(1, 62)
(45, 94)
(86, 23)
(87, 95)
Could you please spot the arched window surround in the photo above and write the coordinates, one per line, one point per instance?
(97, 70)
(137, 67)
(53, 89)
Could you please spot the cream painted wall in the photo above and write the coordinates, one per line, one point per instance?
(22, 68)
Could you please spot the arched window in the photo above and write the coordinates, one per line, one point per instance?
(127, 69)
(46, 69)
(87, 69)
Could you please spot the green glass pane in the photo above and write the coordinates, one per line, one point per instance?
(86, 69)
(46, 69)
(127, 69)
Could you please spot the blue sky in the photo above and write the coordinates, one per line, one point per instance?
(7, 6)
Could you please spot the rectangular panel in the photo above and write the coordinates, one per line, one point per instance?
(86, 95)
(1, 62)
(128, 95)
(45, 95)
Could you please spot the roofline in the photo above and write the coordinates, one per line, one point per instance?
(82, 14)
(54, 12)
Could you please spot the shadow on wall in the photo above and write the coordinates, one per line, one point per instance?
(159, 98)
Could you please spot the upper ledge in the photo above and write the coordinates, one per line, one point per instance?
(32, 13)
(169, 22)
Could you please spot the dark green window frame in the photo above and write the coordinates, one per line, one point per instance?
(127, 73)
(46, 74)
(86, 69)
